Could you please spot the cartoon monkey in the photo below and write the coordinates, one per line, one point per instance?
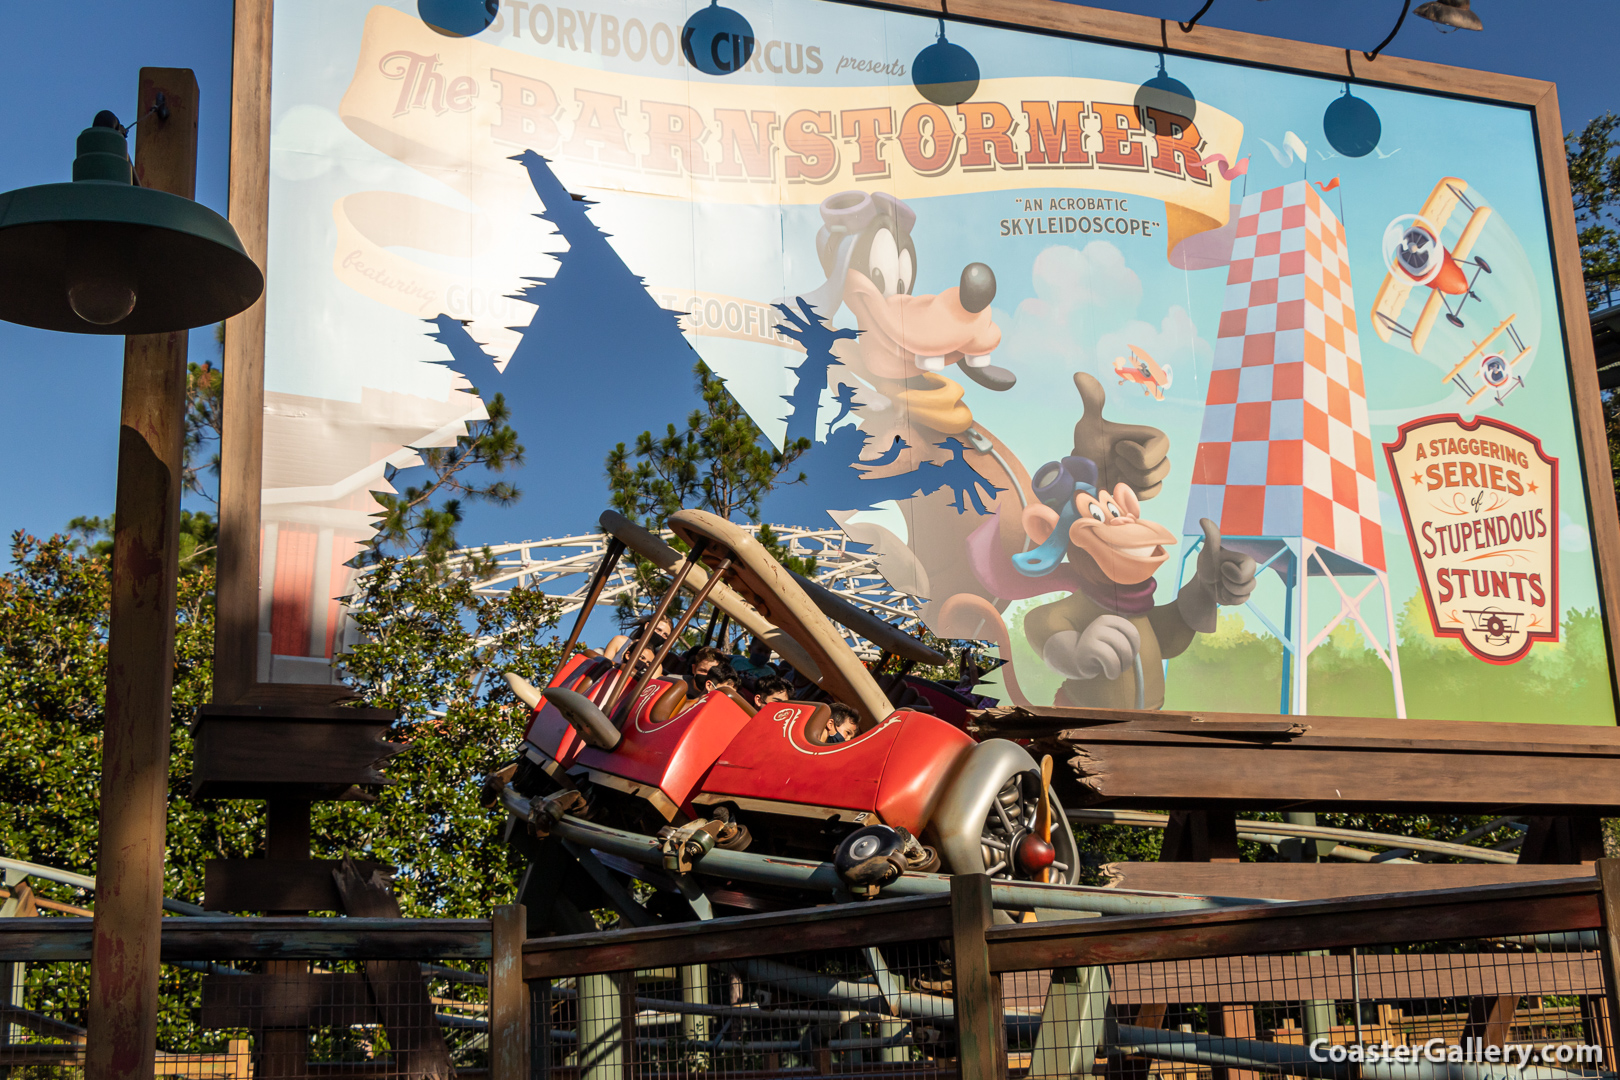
(1106, 637)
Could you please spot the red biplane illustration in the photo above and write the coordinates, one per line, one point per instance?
(634, 747)
(1416, 256)
(1495, 370)
(1146, 372)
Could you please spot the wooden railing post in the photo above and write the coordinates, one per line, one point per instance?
(981, 1032)
(1608, 874)
(509, 1019)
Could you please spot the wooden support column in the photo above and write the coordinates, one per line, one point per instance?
(508, 996)
(284, 1051)
(1200, 836)
(236, 607)
(122, 1012)
(1562, 840)
(981, 1031)
(1608, 871)
(1234, 1022)
(1490, 1019)
(1135, 1066)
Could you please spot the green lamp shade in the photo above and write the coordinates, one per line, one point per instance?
(103, 257)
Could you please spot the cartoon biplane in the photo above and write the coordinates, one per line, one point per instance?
(1495, 370)
(1416, 256)
(1143, 370)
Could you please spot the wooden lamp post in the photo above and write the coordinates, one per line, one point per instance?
(103, 255)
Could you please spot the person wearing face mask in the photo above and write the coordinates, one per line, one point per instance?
(615, 647)
(843, 724)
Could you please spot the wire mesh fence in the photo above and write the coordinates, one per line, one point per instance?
(881, 1010)
(1419, 1011)
(265, 1019)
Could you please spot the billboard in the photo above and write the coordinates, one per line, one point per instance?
(1190, 383)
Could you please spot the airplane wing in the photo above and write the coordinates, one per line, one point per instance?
(1442, 201)
(1425, 323)
(1480, 346)
(1470, 234)
(1388, 303)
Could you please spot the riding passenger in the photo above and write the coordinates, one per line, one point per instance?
(764, 690)
(843, 724)
(661, 632)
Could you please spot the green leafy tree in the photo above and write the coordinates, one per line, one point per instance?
(720, 462)
(199, 538)
(1594, 177)
(434, 650)
(422, 519)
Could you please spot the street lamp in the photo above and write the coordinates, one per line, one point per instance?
(101, 255)
(126, 251)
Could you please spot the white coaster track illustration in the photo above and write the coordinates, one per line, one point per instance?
(562, 567)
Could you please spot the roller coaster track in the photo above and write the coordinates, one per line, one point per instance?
(562, 567)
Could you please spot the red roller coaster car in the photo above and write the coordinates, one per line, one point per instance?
(910, 791)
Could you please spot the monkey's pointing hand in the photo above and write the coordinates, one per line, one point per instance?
(1135, 454)
(1223, 578)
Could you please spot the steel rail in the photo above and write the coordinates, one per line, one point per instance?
(79, 881)
(1255, 829)
(823, 877)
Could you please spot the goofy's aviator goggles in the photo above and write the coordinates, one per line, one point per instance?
(844, 217)
(1056, 483)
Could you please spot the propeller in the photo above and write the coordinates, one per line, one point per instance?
(1043, 811)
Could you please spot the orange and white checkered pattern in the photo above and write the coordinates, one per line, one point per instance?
(1285, 449)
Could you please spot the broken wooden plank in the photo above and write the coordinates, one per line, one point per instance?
(275, 884)
(247, 752)
(1194, 774)
(304, 1000)
(397, 986)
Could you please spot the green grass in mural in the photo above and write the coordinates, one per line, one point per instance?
(1237, 670)
(1566, 682)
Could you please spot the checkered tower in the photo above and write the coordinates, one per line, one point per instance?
(1285, 449)
(1285, 460)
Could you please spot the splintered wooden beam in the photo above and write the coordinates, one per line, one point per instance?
(276, 884)
(397, 986)
(304, 1000)
(245, 752)
(1202, 760)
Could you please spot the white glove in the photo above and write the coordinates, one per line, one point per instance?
(1107, 647)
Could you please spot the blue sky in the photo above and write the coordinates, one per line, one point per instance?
(62, 68)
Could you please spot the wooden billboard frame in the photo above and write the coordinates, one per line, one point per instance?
(238, 595)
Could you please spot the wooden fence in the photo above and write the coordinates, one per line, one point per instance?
(1513, 961)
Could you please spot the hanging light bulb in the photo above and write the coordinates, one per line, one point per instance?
(1453, 13)
(1167, 95)
(1351, 125)
(458, 18)
(944, 73)
(717, 40)
(103, 256)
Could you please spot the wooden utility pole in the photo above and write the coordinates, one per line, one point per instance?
(122, 1028)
